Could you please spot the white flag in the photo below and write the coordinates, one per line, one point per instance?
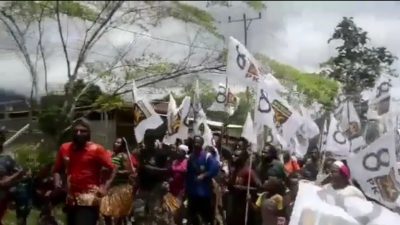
(301, 144)
(207, 135)
(241, 65)
(309, 128)
(220, 100)
(380, 99)
(178, 124)
(336, 142)
(248, 130)
(273, 111)
(263, 113)
(201, 117)
(375, 169)
(225, 101)
(348, 120)
(144, 118)
(318, 206)
(395, 101)
(232, 102)
(196, 98)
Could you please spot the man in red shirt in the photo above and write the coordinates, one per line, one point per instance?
(82, 161)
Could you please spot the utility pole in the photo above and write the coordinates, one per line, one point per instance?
(246, 28)
(246, 25)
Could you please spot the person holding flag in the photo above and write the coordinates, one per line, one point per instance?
(242, 172)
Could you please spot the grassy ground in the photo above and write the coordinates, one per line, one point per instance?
(10, 218)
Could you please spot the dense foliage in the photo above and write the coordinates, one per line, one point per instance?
(357, 64)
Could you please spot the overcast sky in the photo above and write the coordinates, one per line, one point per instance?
(294, 33)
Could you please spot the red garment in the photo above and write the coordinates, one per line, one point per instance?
(135, 162)
(243, 177)
(84, 167)
(177, 185)
(105, 173)
(291, 167)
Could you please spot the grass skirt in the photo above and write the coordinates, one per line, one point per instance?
(118, 202)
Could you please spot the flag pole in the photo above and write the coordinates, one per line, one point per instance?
(348, 121)
(133, 109)
(323, 157)
(227, 114)
(248, 189)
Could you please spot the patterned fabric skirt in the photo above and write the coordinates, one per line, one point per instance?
(118, 202)
(166, 214)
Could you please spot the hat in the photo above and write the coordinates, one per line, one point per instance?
(184, 148)
(344, 170)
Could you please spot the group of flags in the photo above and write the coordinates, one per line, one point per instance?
(373, 165)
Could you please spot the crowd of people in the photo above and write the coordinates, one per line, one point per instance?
(183, 183)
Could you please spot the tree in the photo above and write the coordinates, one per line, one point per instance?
(98, 18)
(92, 93)
(207, 93)
(357, 64)
(53, 119)
(308, 84)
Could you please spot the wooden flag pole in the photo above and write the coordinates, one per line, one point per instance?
(248, 190)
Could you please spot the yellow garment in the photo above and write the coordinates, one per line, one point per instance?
(118, 202)
(278, 200)
(260, 199)
(171, 203)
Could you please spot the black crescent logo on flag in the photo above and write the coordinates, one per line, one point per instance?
(378, 159)
(336, 136)
(383, 88)
(240, 59)
(221, 95)
(264, 98)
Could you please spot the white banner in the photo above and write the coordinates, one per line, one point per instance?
(317, 206)
(375, 168)
(178, 126)
(241, 65)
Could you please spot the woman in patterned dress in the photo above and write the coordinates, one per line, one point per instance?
(117, 204)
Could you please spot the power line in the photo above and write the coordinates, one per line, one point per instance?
(163, 39)
(132, 32)
(153, 37)
(246, 25)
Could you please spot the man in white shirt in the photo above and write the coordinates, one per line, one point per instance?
(340, 181)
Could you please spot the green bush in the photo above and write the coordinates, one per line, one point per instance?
(34, 159)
